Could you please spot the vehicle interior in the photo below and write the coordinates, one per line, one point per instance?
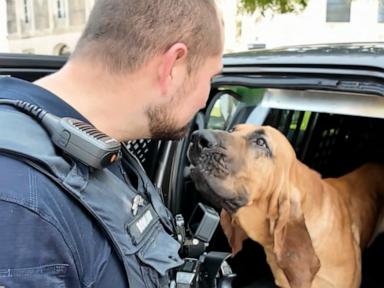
(331, 131)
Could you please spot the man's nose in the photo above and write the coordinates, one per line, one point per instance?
(204, 139)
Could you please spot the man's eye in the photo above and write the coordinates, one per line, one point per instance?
(261, 142)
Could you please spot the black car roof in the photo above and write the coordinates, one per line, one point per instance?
(342, 54)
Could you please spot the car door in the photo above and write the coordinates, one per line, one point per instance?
(328, 111)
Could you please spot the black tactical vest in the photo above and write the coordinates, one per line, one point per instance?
(140, 233)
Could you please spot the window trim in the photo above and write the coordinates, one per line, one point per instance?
(380, 11)
(340, 16)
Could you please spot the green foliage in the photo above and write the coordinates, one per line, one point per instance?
(278, 6)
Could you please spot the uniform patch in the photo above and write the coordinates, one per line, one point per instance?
(144, 221)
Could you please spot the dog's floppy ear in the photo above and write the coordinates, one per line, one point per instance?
(234, 233)
(293, 247)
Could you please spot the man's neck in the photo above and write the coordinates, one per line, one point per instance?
(104, 101)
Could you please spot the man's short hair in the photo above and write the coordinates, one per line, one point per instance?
(124, 34)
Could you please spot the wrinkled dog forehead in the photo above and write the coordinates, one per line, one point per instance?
(250, 133)
(274, 137)
(244, 129)
(249, 129)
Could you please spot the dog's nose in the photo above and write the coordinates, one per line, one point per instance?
(203, 139)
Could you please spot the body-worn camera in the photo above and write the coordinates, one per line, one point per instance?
(201, 269)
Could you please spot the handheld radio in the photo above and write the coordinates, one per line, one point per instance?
(74, 137)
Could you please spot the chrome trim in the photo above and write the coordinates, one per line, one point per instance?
(159, 177)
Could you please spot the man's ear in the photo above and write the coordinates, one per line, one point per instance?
(173, 67)
(234, 233)
(293, 247)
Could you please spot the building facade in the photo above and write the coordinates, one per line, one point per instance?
(54, 26)
(323, 21)
(3, 27)
(45, 26)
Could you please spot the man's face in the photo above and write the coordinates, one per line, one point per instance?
(170, 121)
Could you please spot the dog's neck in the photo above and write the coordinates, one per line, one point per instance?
(310, 184)
(262, 213)
(315, 200)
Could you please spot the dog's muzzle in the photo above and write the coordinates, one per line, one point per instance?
(211, 165)
(207, 155)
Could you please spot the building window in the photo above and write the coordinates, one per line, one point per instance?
(11, 17)
(76, 12)
(41, 15)
(60, 5)
(27, 11)
(338, 10)
(380, 14)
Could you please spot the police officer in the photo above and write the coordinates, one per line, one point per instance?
(141, 69)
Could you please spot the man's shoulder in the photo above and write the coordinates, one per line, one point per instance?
(30, 190)
(23, 185)
(16, 183)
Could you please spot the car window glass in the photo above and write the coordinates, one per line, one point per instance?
(236, 106)
(222, 111)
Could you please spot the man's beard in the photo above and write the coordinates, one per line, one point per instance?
(162, 125)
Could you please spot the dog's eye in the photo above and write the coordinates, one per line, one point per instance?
(260, 142)
(231, 130)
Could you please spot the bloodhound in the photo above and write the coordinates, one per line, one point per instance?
(312, 229)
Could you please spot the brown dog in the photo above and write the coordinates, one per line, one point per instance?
(312, 229)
